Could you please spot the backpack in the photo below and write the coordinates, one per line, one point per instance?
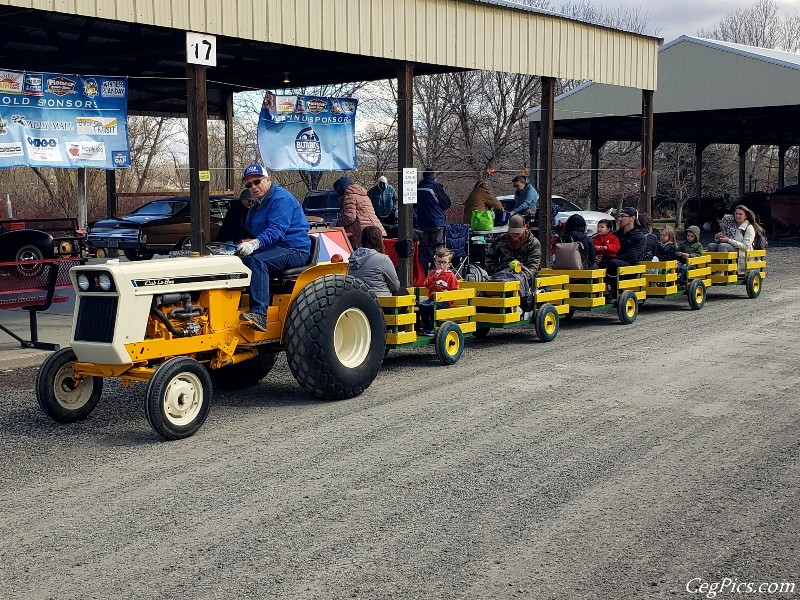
(474, 272)
(525, 278)
(760, 241)
(568, 255)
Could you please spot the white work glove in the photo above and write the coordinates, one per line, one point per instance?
(247, 248)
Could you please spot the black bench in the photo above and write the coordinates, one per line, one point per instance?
(31, 285)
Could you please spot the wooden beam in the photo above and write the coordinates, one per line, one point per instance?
(405, 159)
(197, 112)
(594, 192)
(646, 179)
(230, 176)
(111, 193)
(546, 167)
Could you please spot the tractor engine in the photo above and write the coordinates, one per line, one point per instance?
(118, 305)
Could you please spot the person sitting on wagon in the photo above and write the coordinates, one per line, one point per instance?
(746, 228)
(633, 241)
(688, 248)
(519, 244)
(372, 266)
(357, 210)
(440, 279)
(606, 244)
(281, 229)
(575, 231)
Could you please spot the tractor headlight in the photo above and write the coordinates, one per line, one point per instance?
(83, 282)
(105, 282)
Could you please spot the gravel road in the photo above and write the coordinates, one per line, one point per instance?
(615, 462)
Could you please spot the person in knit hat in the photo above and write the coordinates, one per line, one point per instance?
(384, 201)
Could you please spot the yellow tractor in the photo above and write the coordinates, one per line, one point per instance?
(175, 323)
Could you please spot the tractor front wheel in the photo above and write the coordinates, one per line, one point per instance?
(177, 399)
(62, 396)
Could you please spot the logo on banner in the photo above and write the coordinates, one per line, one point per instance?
(308, 147)
(90, 87)
(96, 126)
(121, 158)
(3, 126)
(10, 82)
(348, 106)
(11, 149)
(87, 150)
(33, 84)
(61, 86)
(23, 121)
(43, 149)
(269, 102)
(286, 106)
(317, 105)
(113, 88)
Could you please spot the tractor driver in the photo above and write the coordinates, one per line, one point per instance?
(281, 229)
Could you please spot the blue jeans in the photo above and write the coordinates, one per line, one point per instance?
(426, 311)
(260, 262)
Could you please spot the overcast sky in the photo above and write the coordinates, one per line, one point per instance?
(674, 18)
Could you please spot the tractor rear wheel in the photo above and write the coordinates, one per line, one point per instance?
(335, 337)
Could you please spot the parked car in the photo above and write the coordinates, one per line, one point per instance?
(157, 227)
(323, 204)
(568, 208)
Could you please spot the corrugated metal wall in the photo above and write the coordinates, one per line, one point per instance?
(458, 33)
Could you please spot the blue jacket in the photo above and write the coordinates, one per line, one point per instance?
(384, 202)
(277, 219)
(632, 244)
(429, 210)
(526, 198)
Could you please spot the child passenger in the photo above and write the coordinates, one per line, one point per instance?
(440, 278)
(606, 244)
(688, 248)
(667, 245)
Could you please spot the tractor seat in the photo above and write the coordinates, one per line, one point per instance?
(313, 257)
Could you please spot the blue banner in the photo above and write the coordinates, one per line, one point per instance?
(311, 133)
(52, 120)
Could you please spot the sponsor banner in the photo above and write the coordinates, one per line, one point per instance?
(312, 133)
(57, 120)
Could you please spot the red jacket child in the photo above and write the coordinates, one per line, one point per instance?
(606, 244)
(440, 280)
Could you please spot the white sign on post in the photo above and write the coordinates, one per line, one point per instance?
(410, 186)
(201, 49)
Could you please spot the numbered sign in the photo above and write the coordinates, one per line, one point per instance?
(201, 49)
(409, 186)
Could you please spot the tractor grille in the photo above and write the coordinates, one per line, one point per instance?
(96, 319)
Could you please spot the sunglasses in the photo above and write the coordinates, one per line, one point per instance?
(442, 262)
(250, 184)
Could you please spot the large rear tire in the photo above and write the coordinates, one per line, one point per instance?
(133, 255)
(178, 398)
(335, 337)
(244, 374)
(62, 397)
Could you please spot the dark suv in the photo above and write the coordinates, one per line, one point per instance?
(323, 204)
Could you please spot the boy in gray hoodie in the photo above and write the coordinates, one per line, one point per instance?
(688, 248)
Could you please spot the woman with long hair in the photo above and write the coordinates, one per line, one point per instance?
(746, 228)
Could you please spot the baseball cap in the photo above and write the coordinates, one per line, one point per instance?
(629, 211)
(254, 170)
(519, 178)
(516, 224)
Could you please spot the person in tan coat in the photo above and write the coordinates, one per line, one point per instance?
(357, 209)
(480, 198)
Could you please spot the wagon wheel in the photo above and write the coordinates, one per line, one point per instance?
(547, 322)
(753, 284)
(627, 307)
(696, 294)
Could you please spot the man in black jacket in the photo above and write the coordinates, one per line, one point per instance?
(233, 229)
(632, 239)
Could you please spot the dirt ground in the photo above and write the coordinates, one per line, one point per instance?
(637, 461)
